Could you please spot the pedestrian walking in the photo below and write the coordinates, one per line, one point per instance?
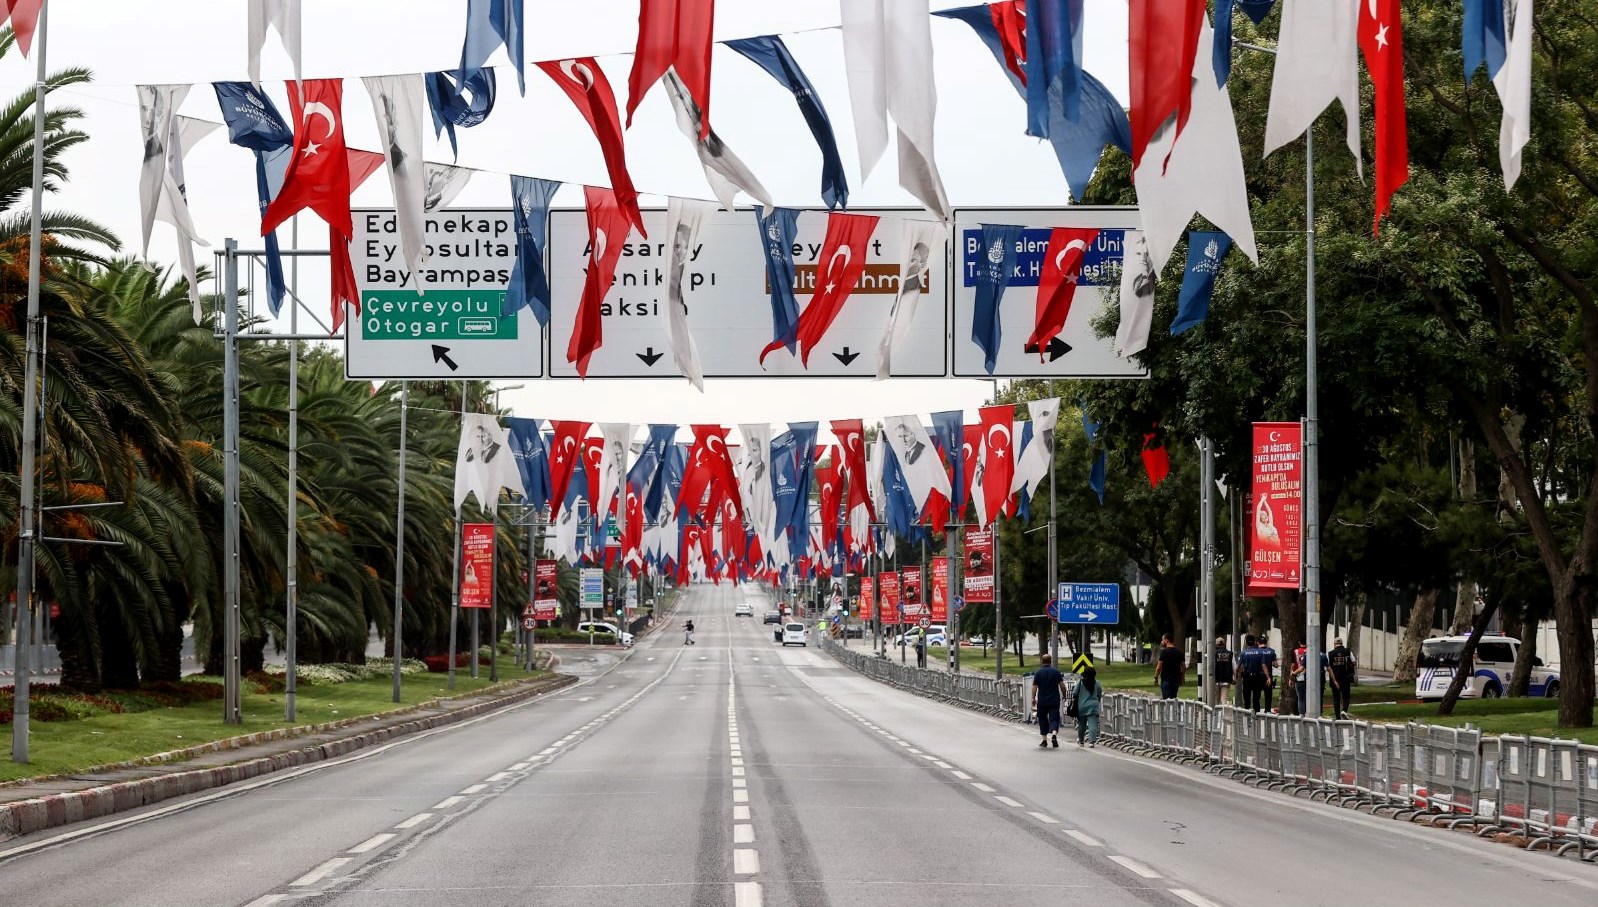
(1087, 695)
(1168, 668)
(1048, 691)
(688, 633)
(1223, 672)
(1343, 670)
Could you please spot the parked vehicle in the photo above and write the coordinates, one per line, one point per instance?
(1490, 669)
(594, 626)
(935, 638)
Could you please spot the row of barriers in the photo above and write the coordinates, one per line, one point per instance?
(1542, 790)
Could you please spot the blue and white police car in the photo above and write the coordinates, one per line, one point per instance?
(1490, 669)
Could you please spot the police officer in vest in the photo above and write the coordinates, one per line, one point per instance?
(1342, 676)
(1223, 672)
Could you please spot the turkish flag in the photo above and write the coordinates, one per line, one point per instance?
(318, 175)
(838, 269)
(709, 468)
(362, 165)
(608, 225)
(1062, 265)
(593, 455)
(972, 448)
(24, 19)
(585, 83)
(998, 461)
(851, 435)
(565, 453)
(1381, 39)
(1009, 20)
(830, 484)
(1156, 462)
(673, 33)
(1163, 37)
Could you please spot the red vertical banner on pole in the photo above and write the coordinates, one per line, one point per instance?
(979, 566)
(1276, 529)
(477, 565)
(864, 610)
(910, 593)
(546, 580)
(889, 583)
(940, 590)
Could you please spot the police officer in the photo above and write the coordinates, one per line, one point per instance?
(1223, 672)
(1342, 675)
(1252, 667)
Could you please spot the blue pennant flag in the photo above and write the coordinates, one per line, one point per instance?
(948, 430)
(1221, 52)
(1090, 427)
(901, 509)
(457, 101)
(1053, 62)
(1482, 38)
(784, 479)
(1078, 141)
(532, 460)
(646, 477)
(1205, 250)
(777, 231)
(1023, 506)
(993, 275)
(1256, 10)
(529, 285)
(490, 23)
(799, 456)
(254, 123)
(771, 54)
(1096, 474)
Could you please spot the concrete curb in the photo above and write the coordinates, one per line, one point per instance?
(27, 816)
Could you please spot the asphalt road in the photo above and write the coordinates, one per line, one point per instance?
(734, 772)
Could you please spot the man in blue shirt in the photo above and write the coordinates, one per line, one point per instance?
(1048, 691)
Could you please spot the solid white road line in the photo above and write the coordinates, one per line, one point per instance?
(1007, 801)
(1045, 818)
(1136, 867)
(982, 787)
(415, 820)
(546, 752)
(745, 861)
(743, 834)
(319, 873)
(1082, 838)
(1195, 899)
(372, 843)
(447, 802)
(746, 894)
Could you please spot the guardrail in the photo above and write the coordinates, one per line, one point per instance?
(1541, 791)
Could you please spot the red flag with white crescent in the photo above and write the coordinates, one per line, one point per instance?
(585, 83)
(998, 464)
(851, 437)
(318, 175)
(608, 226)
(829, 486)
(673, 34)
(1381, 38)
(1009, 20)
(565, 454)
(971, 457)
(362, 165)
(593, 455)
(838, 269)
(1062, 266)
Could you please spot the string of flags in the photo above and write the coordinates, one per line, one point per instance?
(713, 509)
(1180, 132)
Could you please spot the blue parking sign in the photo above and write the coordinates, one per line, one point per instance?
(1090, 603)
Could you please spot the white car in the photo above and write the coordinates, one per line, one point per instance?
(794, 634)
(1491, 669)
(935, 636)
(744, 610)
(605, 627)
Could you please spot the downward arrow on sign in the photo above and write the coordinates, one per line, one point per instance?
(846, 357)
(649, 356)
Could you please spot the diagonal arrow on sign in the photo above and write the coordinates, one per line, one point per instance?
(441, 354)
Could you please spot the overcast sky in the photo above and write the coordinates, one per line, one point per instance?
(985, 158)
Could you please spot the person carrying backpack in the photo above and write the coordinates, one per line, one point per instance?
(1085, 702)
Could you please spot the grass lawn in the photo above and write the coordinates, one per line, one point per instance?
(56, 747)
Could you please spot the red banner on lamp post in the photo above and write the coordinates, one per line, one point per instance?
(910, 594)
(979, 566)
(1276, 526)
(888, 588)
(477, 565)
(546, 580)
(940, 590)
(866, 600)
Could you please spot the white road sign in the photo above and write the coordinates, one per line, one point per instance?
(1089, 356)
(444, 323)
(729, 309)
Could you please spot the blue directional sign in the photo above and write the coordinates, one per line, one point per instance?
(1090, 603)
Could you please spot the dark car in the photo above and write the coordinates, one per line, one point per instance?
(772, 617)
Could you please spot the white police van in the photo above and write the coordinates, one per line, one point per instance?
(1491, 669)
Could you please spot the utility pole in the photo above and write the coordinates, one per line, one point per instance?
(998, 604)
(455, 579)
(1312, 486)
(1207, 567)
(1053, 572)
(291, 563)
(399, 539)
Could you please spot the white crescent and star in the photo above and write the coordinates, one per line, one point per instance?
(1002, 429)
(578, 72)
(832, 275)
(317, 109)
(599, 243)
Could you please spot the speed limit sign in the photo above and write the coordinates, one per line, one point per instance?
(529, 623)
(926, 622)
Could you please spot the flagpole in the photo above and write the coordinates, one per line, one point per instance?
(1053, 587)
(998, 601)
(1312, 506)
(291, 591)
(396, 637)
(951, 634)
(455, 573)
(30, 411)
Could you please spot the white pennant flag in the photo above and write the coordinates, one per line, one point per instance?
(1032, 467)
(618, 438)
(563, 541)
(284, 17)
(1317, 62)
(444, 183)
(918, 241)
(174, 205)
(1513, 83)
(724, 170)
(876, 489)
(887, 53)
(158, 106)
(918, 458)
(484, 463)
(397, 103)
(754, 483)
(1205, 172)
(1137, 295)
(979, 496)
(684, 217)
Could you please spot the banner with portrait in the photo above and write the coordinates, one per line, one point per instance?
(1276, 526)
(910, 594)
(477, 565)
(888, 588)
(546, 583)
(979, 566)
(940, 590)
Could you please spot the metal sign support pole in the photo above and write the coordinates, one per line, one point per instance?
(232, 705)
(291, 590)
(998, 604)
(1312, 494)
(951, 633)
(398, 637)
(455, 579)
(1053, 572)
(1207, 566)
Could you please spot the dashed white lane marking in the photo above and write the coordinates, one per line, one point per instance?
(447, 802)
(1045, 818)
(372, 843)
(1192, 898)
(746, 894)
(740, 796)
(745, 861)
(546, 752)
(415, 820)
(520, 766)
(319, 873)
(737, 762)
(961, 775)
(474, 789)
(982, 787)
(497, 776)
(737, 772)
(914, 750)
(264, 900)
(1135, 866)
(743, 834)
(1082, 838)
(740, 813)
(1008, 801)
